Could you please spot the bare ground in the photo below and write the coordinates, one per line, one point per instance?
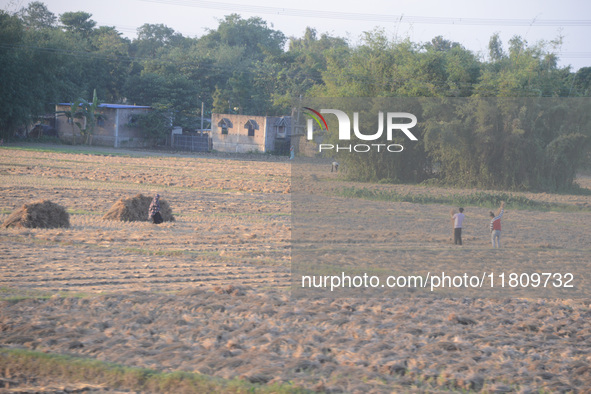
(209, 293)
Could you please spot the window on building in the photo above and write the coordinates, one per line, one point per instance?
(281, 128)
(251, 126)
(225, 124)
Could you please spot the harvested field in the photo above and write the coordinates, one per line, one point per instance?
(231, 223)
(209, 293)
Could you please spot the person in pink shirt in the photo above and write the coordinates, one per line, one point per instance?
(458, 220)
(495, 226)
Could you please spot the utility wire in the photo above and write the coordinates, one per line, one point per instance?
(574, 55)
(355, 16)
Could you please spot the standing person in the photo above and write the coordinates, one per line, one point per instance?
(495, 226)
(335, 166)
(458, 220)
(154, 210)
(291, 153)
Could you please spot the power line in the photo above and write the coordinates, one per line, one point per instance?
(355, 16)
(121, 58)
(574, 55)
(198, 62)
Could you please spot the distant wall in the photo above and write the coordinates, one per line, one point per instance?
(114, 129)
(237, 140)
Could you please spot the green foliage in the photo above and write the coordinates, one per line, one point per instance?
(252, 34)
(492, 143)
(565, 154)
(470, 142)
(153, 38)
(36, 16)
(581, 83)
(478, 199)
(374, 166)
(77, 369)
(155, 124)
(84, 114)
(13, 101)
(171, 94)
(78, 22)
(381, 67)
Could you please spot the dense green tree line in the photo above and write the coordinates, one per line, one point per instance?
(534, 135)
(245, 66)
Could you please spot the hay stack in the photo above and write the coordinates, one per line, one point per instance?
(135, 209)
(40, 214)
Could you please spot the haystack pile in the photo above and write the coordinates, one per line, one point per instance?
(135, 209)
(40, 214)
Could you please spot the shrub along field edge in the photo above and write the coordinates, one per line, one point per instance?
(479, 199)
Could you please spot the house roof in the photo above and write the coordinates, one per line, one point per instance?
(115, 106)
(225, 122)
(281, 122)
(252, 123)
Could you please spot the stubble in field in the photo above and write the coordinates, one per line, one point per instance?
(210, 292)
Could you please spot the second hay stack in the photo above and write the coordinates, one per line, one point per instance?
(135, 209)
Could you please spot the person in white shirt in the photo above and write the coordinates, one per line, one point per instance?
(458, 219)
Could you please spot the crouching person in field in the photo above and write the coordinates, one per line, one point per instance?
(335, 167)
(154, 210)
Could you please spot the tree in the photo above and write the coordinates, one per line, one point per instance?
(36, 16)
(527, 70)
(78, 23)
(382, 67)
(33, 74)
(110, 66)
(155, 125)
(302, 67)
(581, 82)
(252, 34)
(495, 48)
(221, 101)
(87, 114)
(152, 38)
(14, 100)
(171, 93)
(492, 142)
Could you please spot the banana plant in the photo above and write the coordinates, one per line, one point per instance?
(82, 109)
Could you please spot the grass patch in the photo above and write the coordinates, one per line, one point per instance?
(82, 212)
(14, 295)
(253, 214)
(478, 199)
(170, 252)
(65, 149)
(159, 252)
(114, 376)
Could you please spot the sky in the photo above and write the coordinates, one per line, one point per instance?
(471, 23)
